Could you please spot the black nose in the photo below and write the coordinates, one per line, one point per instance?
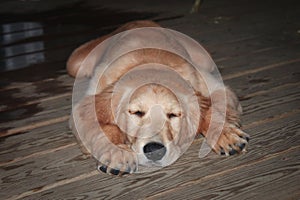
(154, 151)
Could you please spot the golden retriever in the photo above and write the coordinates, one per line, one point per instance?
(161, 141)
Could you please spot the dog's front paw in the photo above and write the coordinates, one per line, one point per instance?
(231, 141)
(117, 162)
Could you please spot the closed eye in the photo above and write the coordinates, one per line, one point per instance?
(173, 115)
(137, 113)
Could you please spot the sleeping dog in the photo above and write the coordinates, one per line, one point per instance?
(116, 135)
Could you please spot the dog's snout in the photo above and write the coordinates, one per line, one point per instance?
(154, 151)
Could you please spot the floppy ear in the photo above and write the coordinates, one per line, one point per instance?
(205, 111)
(105, 117)
(103, 106)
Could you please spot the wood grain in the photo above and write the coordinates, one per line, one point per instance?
(39, 139)
(44, 170)
(246, 182)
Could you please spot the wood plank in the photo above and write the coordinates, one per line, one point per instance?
(268, 79)
(12, 107)
(188, 168)
(47, 111)
(41, 139)
(258, 62)
(41, 171)
(61, 83)
(251, 181)
(251, 47)
(23, 94)
(233, 27)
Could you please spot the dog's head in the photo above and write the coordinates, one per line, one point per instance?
(152, 122)
(153, 118)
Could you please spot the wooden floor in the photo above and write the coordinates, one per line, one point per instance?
(256, 47)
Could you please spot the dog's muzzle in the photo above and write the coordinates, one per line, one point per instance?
(154, 151)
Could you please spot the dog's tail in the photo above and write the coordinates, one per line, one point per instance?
(78, 55)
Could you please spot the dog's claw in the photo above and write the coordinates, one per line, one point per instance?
(242, 146)
(232, 152)
(245, 138)
(222, 152)
(114, 171)
(102, 168)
